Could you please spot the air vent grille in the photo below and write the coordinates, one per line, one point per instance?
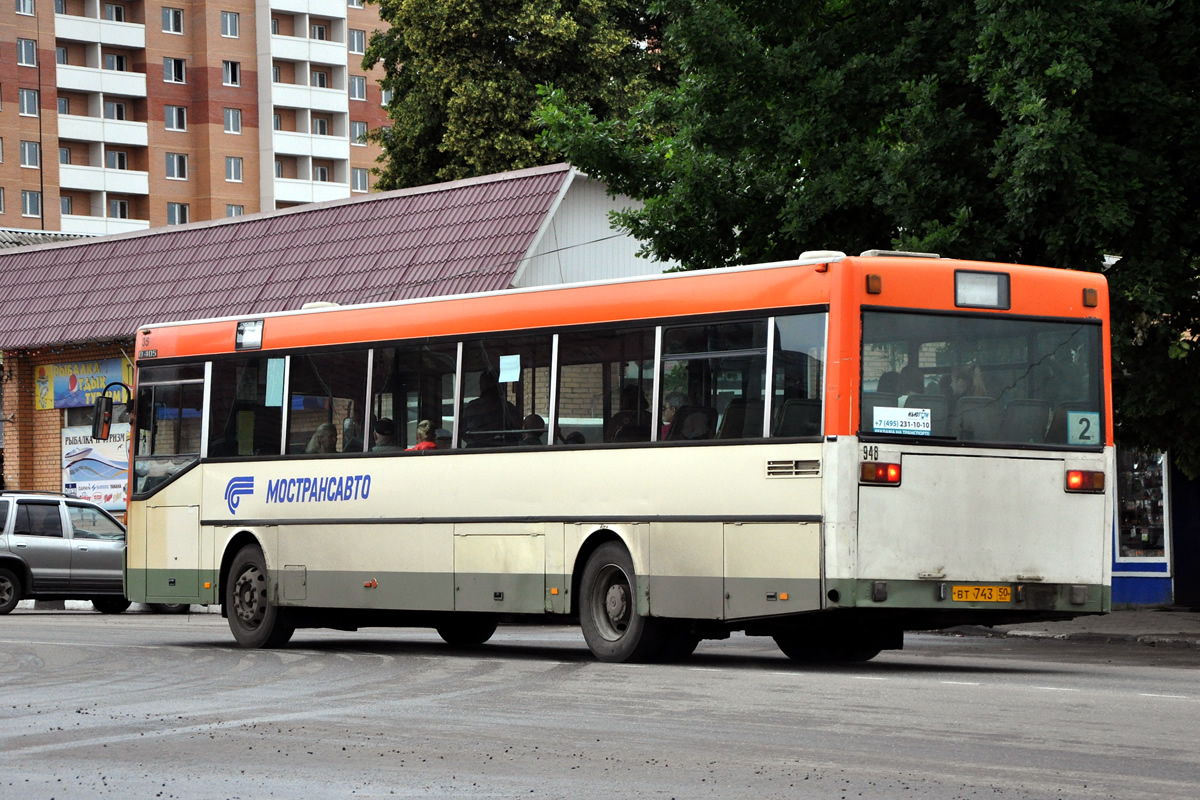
(793, 469)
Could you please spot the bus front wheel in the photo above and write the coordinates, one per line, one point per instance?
(608, 609)
(254, 621)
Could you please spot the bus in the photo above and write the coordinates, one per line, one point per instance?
(828, 451)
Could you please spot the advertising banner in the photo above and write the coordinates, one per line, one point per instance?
(76, 384)
(96, 471)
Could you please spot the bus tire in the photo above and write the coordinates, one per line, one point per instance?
(169, 608)
(467, 631)
(612, 628)
(255, 623)
(10, 591)
(110, 605)
(811, 649)
(678, 643)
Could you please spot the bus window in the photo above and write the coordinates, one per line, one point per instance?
(410, 385)
(167, 438)
(982, 379)
(326, 397)
(246, 408)
(605, 386)
(506, 391)
(798, 380)
(714, 380)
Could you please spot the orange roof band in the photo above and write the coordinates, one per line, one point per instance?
(906, 283)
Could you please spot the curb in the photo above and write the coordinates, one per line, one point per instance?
(1150, 639)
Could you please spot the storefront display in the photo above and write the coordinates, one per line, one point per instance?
(1141, 498)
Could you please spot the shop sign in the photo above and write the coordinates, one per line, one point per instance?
(96, 470)
(77, 384)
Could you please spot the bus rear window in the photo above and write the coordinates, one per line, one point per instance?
(987, 380)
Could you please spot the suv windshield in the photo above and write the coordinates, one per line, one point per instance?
(993, 380)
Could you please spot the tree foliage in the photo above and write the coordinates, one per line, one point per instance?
(464, 77)
(1041, 133)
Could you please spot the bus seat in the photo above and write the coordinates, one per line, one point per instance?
(1056, 432)
(939, 413)
(871, 401)
(979, 418)
(693, 422)
(742, 420)
(799, 417)
(1025, 421)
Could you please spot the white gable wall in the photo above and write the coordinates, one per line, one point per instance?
(578, 244)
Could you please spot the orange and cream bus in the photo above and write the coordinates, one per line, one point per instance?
(828, 451)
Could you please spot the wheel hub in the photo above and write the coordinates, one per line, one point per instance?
(616, 603)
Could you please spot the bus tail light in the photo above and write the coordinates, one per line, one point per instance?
(1085, 480)
(879, 472)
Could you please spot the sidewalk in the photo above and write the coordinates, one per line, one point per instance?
(1156, 626)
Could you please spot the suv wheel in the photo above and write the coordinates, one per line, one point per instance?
(10, 591)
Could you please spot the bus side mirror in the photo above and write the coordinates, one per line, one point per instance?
(102, 417)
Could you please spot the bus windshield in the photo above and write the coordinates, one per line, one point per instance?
(990, 380)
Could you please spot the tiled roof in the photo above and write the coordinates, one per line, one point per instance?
(452, 238)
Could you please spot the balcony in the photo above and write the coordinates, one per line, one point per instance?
(288, 143)
(297, 48)
(291, 95)
(91, 79)
(99, 129)
(288, 190)
(333, 9)
(101, 226)
(102, 179)
(102, 31)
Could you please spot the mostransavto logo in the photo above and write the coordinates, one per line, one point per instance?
(237, 487)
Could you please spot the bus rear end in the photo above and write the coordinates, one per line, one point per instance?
(979, 476)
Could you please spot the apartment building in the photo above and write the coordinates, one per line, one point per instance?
(131, 114)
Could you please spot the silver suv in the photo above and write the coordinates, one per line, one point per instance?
(54, 547)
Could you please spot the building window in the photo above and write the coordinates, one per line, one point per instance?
(31, 203)
(176, 118)
(177, 166)
(26, 52)
(174, 70)
(358, 133)
(320, 79)
(229, 24)
(116, 159)
(358, 42)
(64, 105)
(233, 120)
(118, 209)
(60, 6)
(177, 213)
(28, 102)
(172, 20)
(64, 155)
(320, 126)
(274, 26)
(25, 7)
(113, 12)
(276, 122)
(319, 32)
(234, 211)
(233, 169)
(60, 55)
(275, 73)
(231, 73)
(358, 87)
(386, 97)
(360, 179)
(278, 169)
(354, 3)
(321, 174)
(1, 199)
(31, 155)
(115, 62)
(1, 151)
(114, 110)
(64, 205)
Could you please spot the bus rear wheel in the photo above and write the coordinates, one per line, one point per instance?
(813, 648)
(110, 605)
(254, 621)
(612, 628)
(466, 631)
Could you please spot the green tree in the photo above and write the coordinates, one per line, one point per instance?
(1042, 133)
(464, 77)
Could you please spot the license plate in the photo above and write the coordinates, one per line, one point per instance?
(982, 594)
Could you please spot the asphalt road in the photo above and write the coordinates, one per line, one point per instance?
(147, 706)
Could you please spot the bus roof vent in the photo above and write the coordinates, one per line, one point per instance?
(902, 253)
(793, 469)
(814, 255)
(319, 304)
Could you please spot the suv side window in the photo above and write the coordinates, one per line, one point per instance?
(3, 516)
(36, 518)
(91, 523)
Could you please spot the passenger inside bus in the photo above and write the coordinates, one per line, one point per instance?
(324, 439)
(385, 435)
(532, 430)
(632, 422)
(490, 419)
(425, 436)
(671, 404)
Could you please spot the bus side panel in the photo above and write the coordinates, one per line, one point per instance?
(163, 546)
(684, 576)
(772, 568)
(500, 567)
